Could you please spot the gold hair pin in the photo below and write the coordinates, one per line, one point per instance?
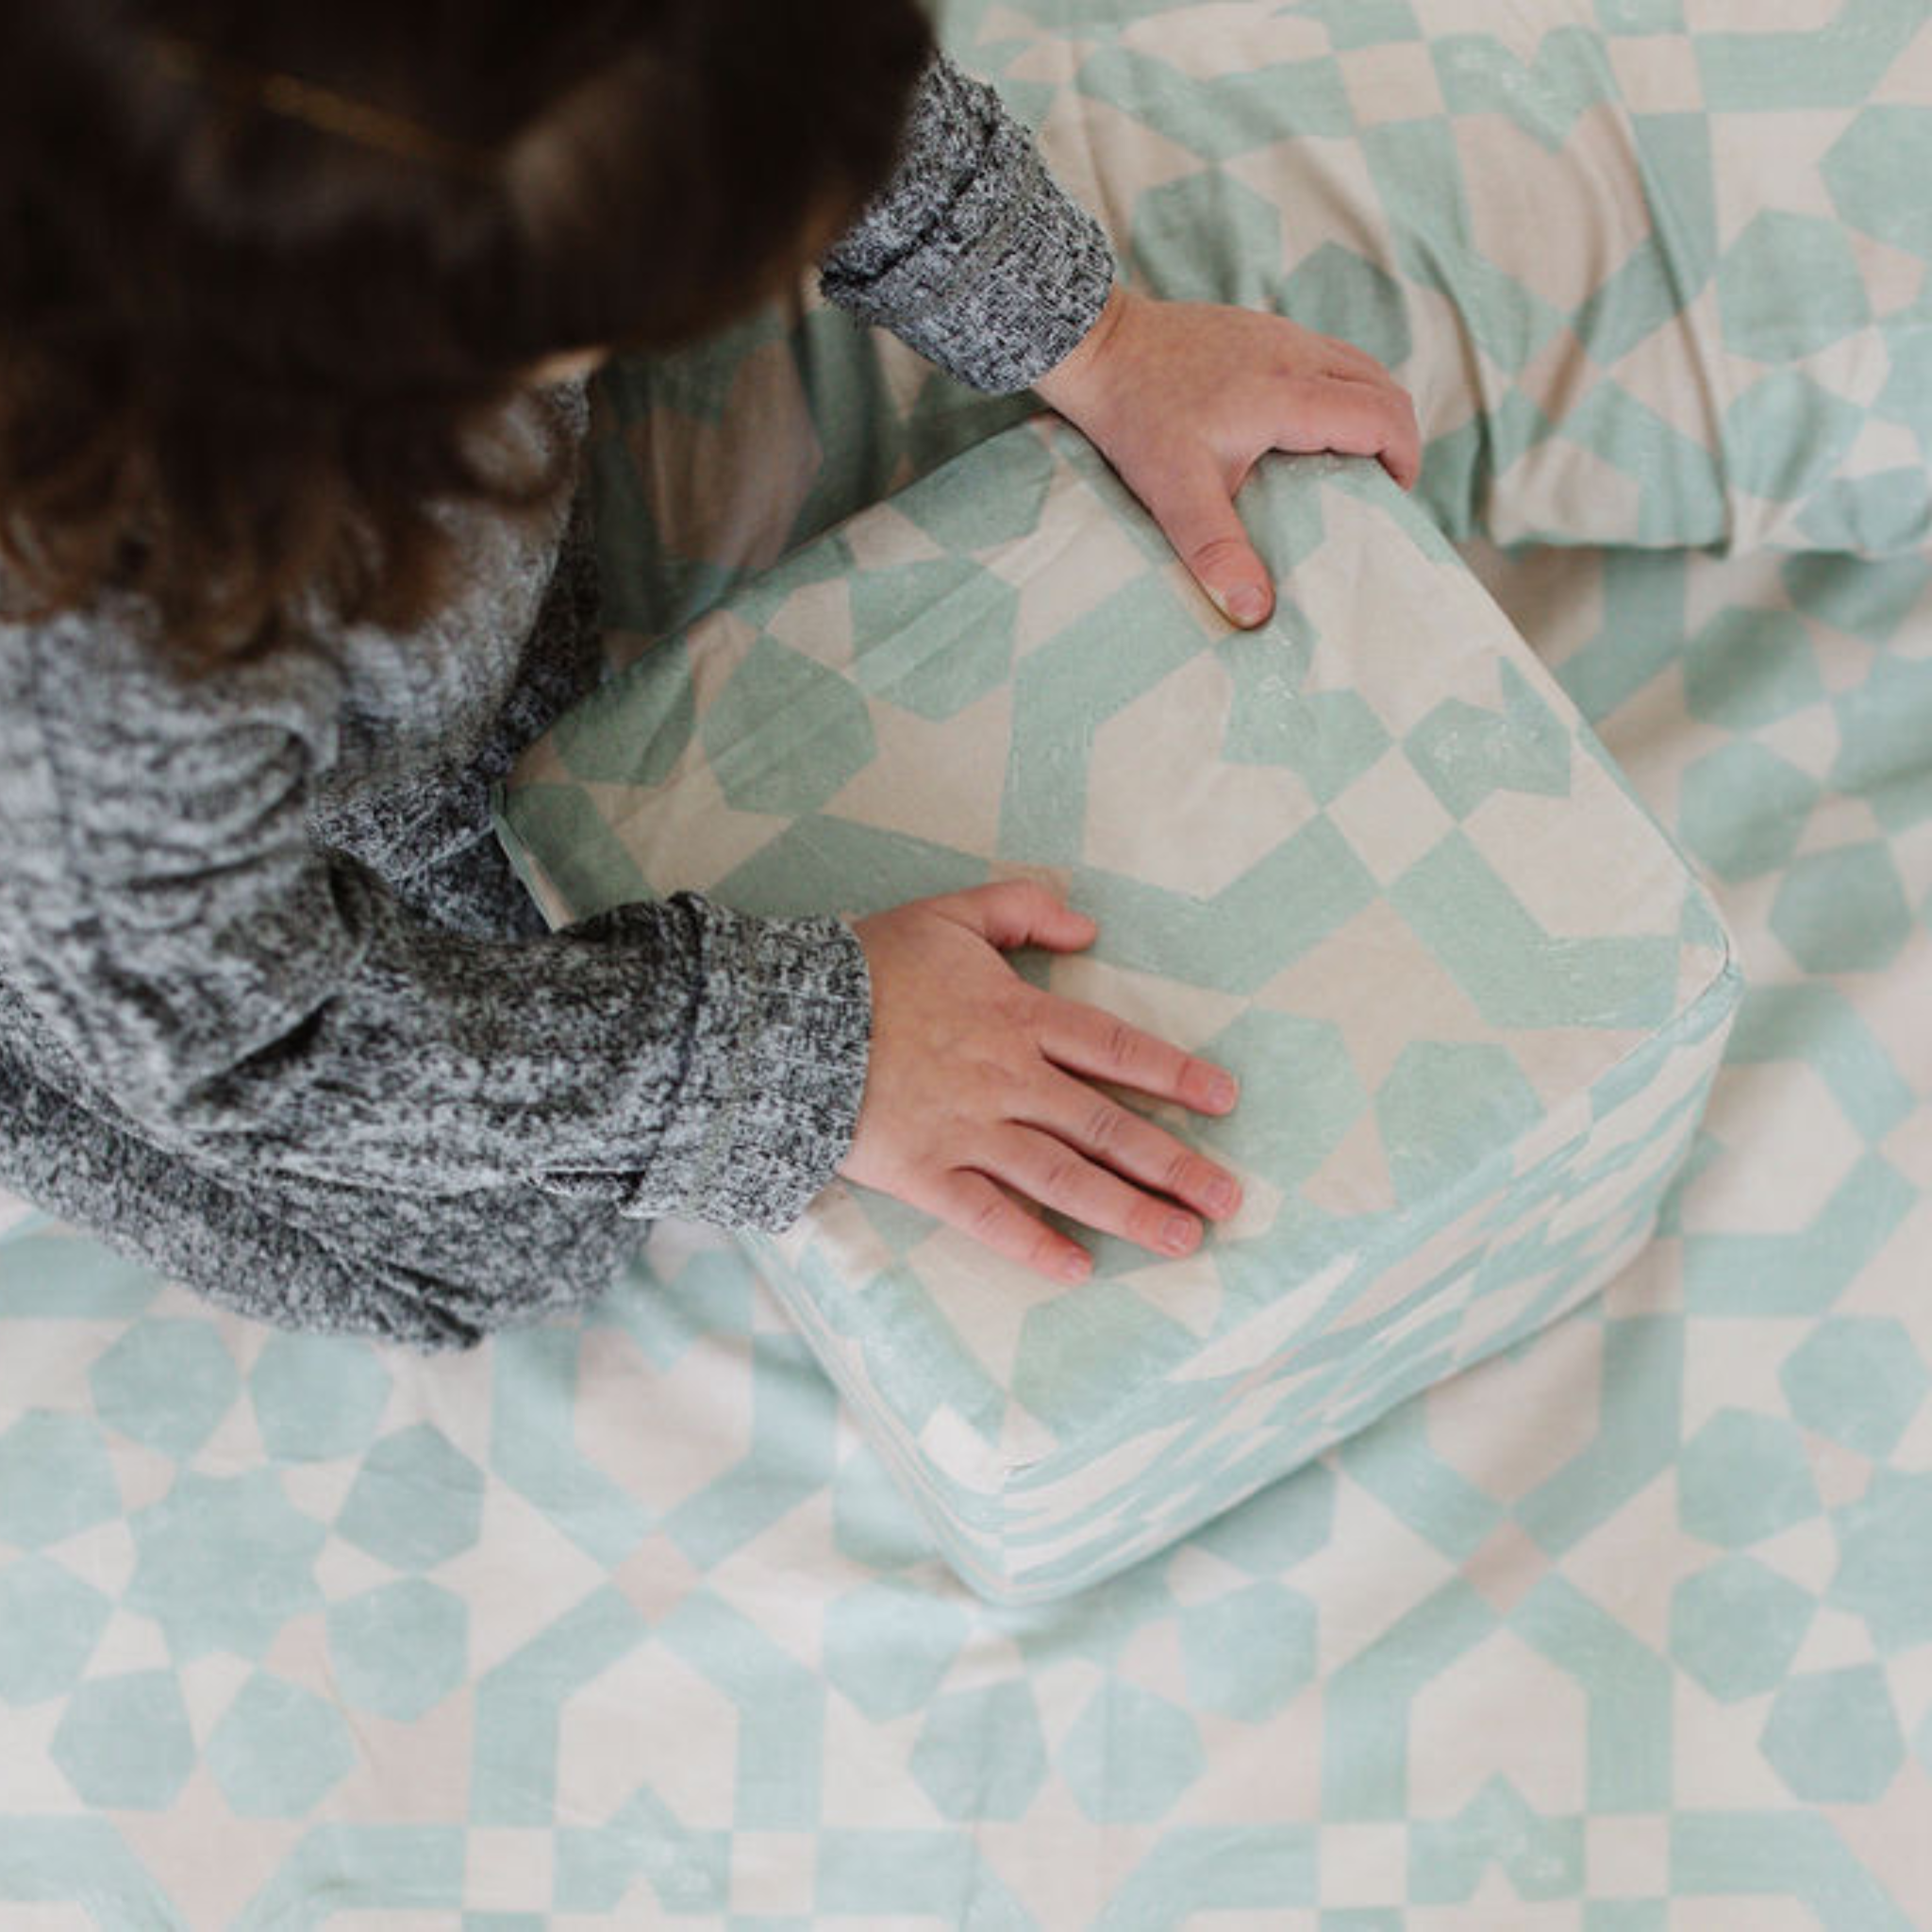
(319, 107)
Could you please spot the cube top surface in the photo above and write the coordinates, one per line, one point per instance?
(1368, 857)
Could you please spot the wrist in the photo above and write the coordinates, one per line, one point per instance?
(1072, 378)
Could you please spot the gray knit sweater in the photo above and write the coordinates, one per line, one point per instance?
(275, 1016)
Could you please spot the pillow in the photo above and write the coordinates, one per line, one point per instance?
(1654, 277)
(1368, 857)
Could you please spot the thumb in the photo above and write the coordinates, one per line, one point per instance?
(1017, 912)
(1198, 517)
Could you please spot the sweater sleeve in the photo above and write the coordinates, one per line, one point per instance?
(971, 252)
(249, 999)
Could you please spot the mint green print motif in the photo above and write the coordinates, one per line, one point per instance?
(952, 639)
(1441, 1098)
(92, 1745)
(1458, 905)
(1308, 888)
(1736, 1627)
(1287, 1054)
(34, 1516)
(279, 1750)
(1744, 808)
(1834, 1736)
(1464, 752)
(49, 1624)
(823, 712)
(399, 1649)
(1844, 910)
(967, 1731)
(1331, 738)
(1815, 256)
(1858, 1381)
(1139, 636)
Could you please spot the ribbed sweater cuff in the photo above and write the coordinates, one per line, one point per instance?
(777, 1068)
(974, 255)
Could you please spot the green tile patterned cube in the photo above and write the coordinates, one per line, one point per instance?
(1369, 856)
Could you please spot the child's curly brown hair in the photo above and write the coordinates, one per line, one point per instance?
(269, 272)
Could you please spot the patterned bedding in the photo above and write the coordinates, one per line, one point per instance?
(1627, 1630)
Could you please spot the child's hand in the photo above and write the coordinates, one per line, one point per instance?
(1183, 398)
(976, 1078)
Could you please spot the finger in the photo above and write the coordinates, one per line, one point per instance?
(1083, 1039)
(1196, 513)
(1134, 1147)
(1019, 912)
(971, 1202)
(1354, 418)
(1062, 1178)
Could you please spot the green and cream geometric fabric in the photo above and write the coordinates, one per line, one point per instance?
(1655, 274)
(1367, 857)
(623, 1621)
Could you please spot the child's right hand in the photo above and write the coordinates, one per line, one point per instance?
(977, 1078)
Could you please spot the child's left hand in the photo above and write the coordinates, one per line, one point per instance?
(1183, 398)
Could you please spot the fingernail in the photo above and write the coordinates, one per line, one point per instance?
(1221, 1091)
(1177, 1236)
(1245, 604)
(1222, 1194)
(1075, 1265)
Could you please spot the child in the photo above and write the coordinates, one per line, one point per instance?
(293, 302)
